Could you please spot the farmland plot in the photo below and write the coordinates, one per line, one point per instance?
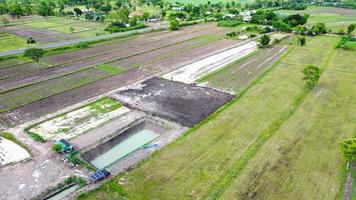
(202, 162)
(22, 96)
(239, 74)
(75, 122)
(61, 70)
(302, 160)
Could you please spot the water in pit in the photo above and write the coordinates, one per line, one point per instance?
(64, 193)
(125, 147)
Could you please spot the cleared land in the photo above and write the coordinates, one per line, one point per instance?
(99, 69)
(206, 161)
(75, 122)
(239, 74)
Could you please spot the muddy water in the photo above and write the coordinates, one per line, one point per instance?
(125, 147)
(64, 193)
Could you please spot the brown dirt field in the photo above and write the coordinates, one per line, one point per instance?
(94, 61)
(40, 35)
(68, 98)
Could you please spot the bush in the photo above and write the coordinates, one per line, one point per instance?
(264, 41)
(231, 34)
(174, 25)
(83, 45)
(30, 40)
(319, 28)
(57, 148)
(348, 149)
(115, 27)
(311, 76)
(229, 23)
(301, 41)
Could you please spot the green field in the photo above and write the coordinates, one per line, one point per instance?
(269, 115)
(197, 2)
(81, 28)
(334, 18)
(11, 42)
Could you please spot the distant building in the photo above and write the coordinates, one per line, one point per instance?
(137, 13)
(177, 8)
(246, 16)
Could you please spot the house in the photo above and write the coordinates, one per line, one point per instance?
(246, 16)
(137, 13)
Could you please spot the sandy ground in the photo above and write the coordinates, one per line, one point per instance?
(51, 129)
(11, 152)
(45, 169)
(193, 71)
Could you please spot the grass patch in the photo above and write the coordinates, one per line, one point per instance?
(112, 70)
(229, 23)
(302, 158)
(10, 42)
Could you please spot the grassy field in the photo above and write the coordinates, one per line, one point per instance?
(207, 159)
(61, 24)
(302, 160)
(10, 42)
(334, 18)
(197, 2)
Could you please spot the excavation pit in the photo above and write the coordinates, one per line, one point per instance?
(126, 141)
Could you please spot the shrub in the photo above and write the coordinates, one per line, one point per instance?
(231, 34)
(348, 149)
(30, 40)
(264, 41)
(115, 27)
(229, 23)
(83, 45)
(311, 76)
(174, 25)
(56, 148)
(301, 41)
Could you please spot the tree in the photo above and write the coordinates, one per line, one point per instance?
(174, 25)
(311, 76)
(15, 10)
(145, 16)
(45, 9)
(319, 28)
(348, 149)
(301, 41)
(351, 28)
(264, 41)
(34, 54)
(77, 12)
